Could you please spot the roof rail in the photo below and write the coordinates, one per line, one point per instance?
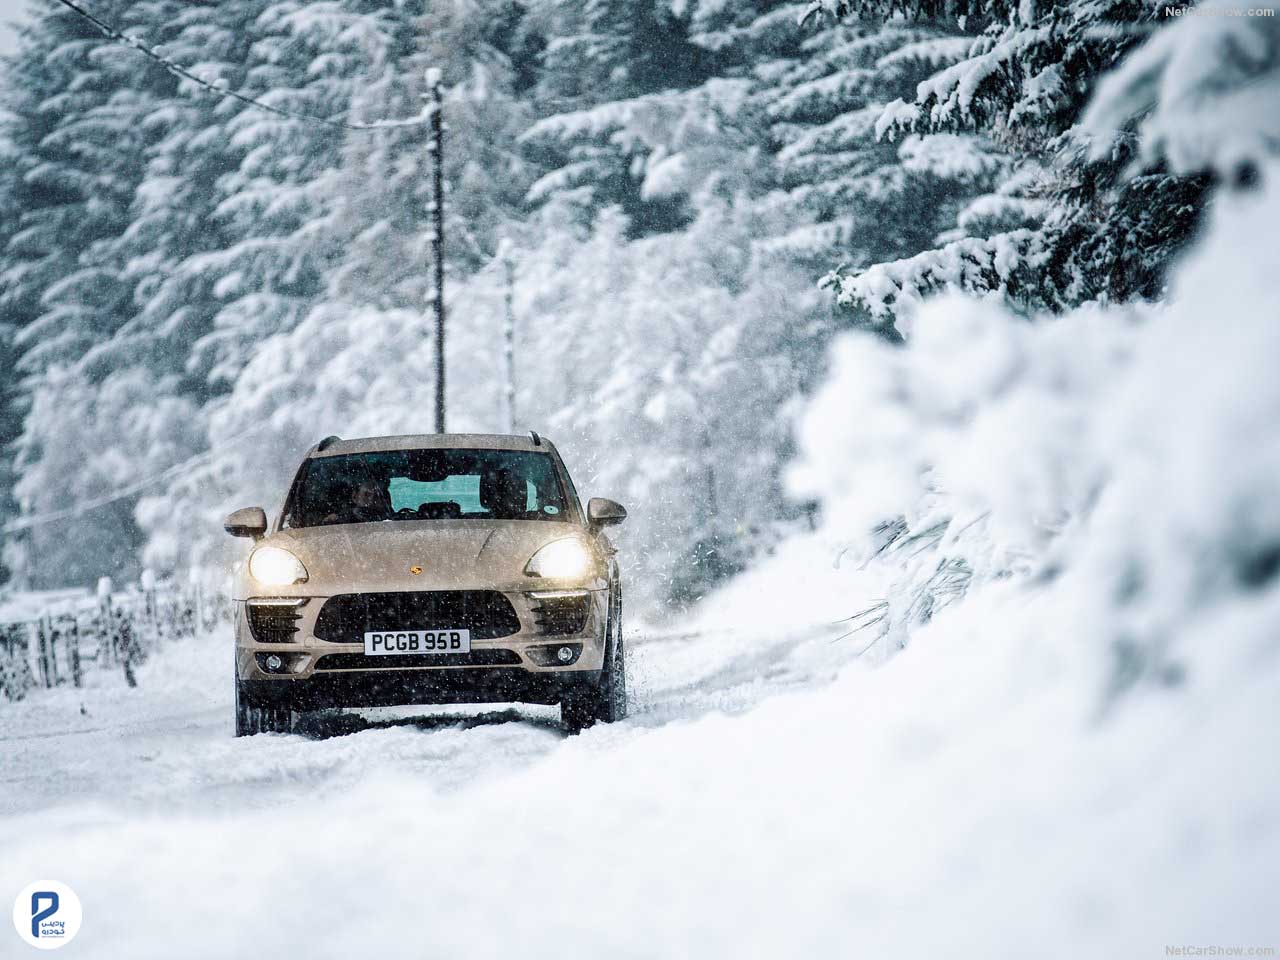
(328, 442)
(537, 440)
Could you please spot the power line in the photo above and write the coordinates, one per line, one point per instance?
(85, 506)
(179, 70)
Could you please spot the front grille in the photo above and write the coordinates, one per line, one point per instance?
(486, 613)
(561, 616)
(273, 622)
(476, 658)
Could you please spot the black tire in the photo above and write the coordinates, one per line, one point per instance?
(276, 719)
(613, 682)
(246, 715)
(580, 708)
(252, 718)
(605, 702)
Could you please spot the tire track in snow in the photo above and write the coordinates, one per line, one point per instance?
(152, 751)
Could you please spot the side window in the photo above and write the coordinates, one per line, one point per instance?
(290, 514)
(571, 490)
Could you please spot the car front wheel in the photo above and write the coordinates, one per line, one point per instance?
(252, 718)
(605, 702)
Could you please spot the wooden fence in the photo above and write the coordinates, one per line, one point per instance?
(112, 631)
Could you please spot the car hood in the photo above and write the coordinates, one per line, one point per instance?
(452, 555)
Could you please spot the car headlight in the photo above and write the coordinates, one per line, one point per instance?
(276, 567)
(562, 560)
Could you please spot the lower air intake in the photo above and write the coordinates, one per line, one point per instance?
(476, 658)
(273, 622)
(486, 613)
(561, 616)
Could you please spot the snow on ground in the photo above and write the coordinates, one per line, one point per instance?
(959, 800)
(18, 606)
(133, 796)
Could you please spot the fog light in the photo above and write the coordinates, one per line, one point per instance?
(557, 656)
(282, 664)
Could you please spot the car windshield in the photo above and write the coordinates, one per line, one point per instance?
(427, 485)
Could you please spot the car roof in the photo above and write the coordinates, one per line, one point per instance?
(434, 441)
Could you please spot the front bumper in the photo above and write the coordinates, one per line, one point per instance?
(501, 670)
(390, 688)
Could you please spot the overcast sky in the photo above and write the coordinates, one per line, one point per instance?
(9, 10)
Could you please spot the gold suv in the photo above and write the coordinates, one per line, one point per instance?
(447, 568)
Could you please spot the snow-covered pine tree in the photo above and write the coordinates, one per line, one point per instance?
(1111, 223)
(173, 216)
(838, 190)
(598, 51)
(74, 141)
(11, 397)
(281, 208)
(1198, 98)
(609, 65)
(75, 115)
(789, 124)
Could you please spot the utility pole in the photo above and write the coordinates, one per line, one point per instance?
(436, 149)
(20, 559)
(509, 335)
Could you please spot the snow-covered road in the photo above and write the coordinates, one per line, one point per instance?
(769, 797)
(168, 743)
(184, 841)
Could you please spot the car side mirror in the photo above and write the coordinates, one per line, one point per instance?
(605, 513)
(249, 522)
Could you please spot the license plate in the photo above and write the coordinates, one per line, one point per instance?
(386, 643)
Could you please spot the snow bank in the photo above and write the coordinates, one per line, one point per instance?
(1099, 492)
(955, 802)
(17, 606)
(1127, 455)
